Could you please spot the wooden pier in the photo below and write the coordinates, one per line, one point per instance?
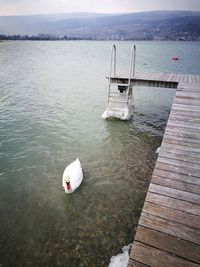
(168, 232)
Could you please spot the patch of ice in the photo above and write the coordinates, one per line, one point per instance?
(105, 115)
(158, 150)
(121, 260)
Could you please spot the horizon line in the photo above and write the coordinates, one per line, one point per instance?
(102, 13)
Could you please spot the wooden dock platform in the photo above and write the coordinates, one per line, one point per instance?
(168, 232)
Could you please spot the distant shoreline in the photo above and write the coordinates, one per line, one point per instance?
(45, 37)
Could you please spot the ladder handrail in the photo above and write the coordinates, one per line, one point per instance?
(132, 63)
(131, 68)
(112, 58)
(113, 68)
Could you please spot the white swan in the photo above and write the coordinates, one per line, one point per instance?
(72, 176)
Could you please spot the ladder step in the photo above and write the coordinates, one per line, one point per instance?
(117, 101)
(120, 84)
(123, 84)
(116, 109)
(117, 94)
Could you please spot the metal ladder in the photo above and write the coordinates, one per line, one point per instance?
(112, 74)
(118, 102)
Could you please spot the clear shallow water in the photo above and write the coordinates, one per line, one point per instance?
(52, 97)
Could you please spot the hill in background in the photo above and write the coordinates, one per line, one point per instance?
(161, 25)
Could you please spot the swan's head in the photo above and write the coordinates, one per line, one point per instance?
(68, 188)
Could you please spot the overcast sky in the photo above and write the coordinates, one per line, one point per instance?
(22, 7)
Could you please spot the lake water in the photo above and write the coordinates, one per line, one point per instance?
(52, 98)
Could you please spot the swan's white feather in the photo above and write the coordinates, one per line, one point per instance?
(74, 171)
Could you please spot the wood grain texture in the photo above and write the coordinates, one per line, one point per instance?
(182, 177)
(168, 233)
(175, 193)
(172, 214)
(168, 243)
(180, 185)
(133, 263)
(158, 258)
(177, 204)
(170, 227)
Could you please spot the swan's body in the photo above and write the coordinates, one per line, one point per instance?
(72, 176)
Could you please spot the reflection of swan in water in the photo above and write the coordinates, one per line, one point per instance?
(72, 176)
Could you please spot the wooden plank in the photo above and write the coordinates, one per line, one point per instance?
(187, 85)
(146, 76)
(178, 169)
(180, 147)
(175, 193)
(184, 107)
(184, 125)
(171, 228)
(188, 94)
(186, 77)
(191, 147)
(192, 89)
(180, 163)
(193, 102)
(182, 135)
(193, 78)
(181, 79)
(157, 258)
(172, 214)
(188, 113)
(176, 176)
(181, 140)
(168, 243)
(137, 74)
(188, 90)
(164, 77)
(179, 156)
(169, 79)
(177, 133)
(175, 77)
(158, 76)
(133, 263)
(174, 203)
(175, 117)
(172, 183)
(172, 78)
(167, 151)
(190, 78)
(151, 77)
(198, 79)
(143, 75)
